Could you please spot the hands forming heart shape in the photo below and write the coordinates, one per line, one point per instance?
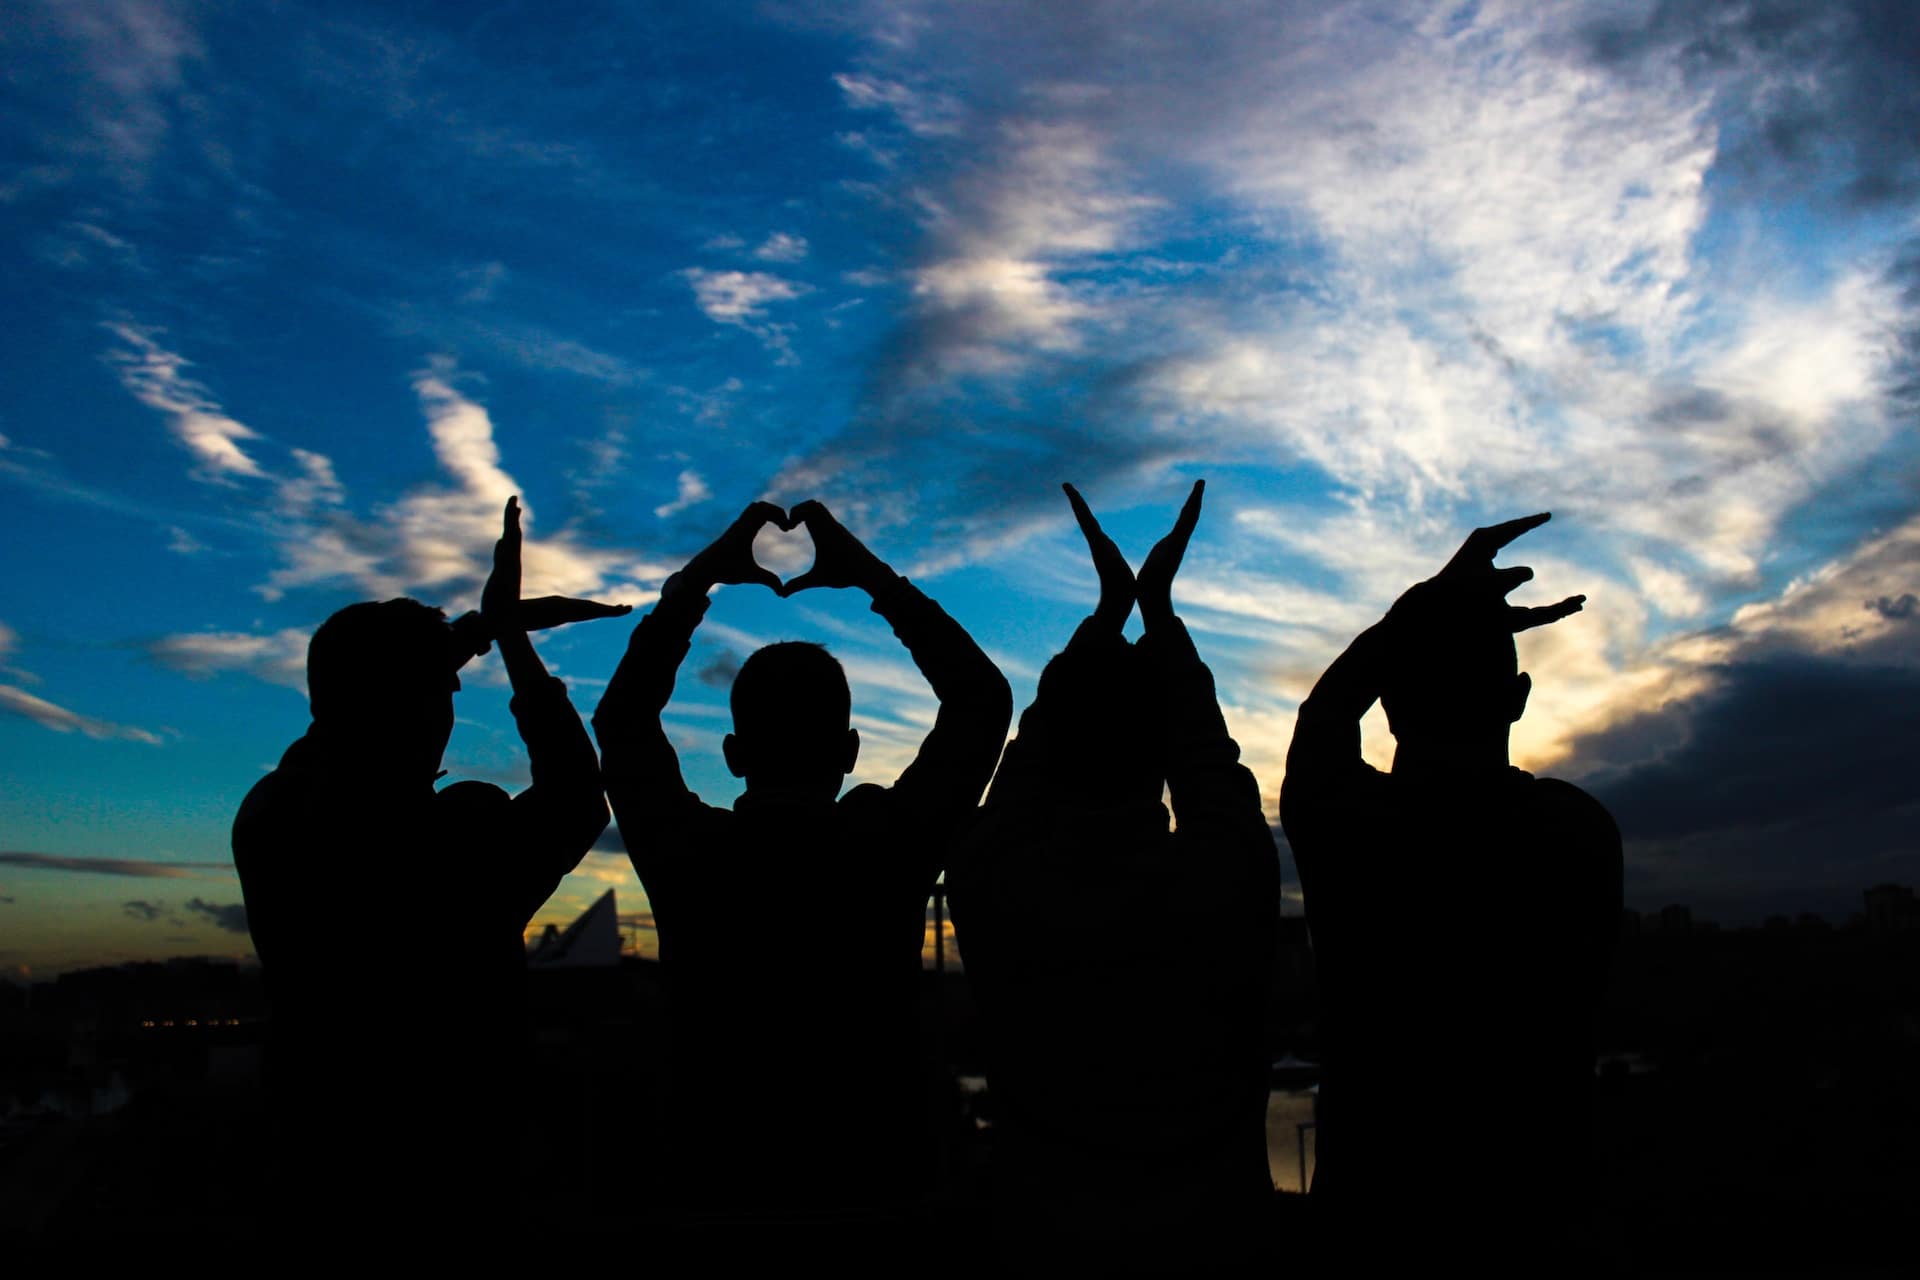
(840, 559)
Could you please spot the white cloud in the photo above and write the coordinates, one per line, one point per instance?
(692, 490)
(991, 290)
(782, 247)
(156, 378)
(19, 702)
(277, 658)
(439, 538)
(928, 114)
(738, 297)
(1485, 248)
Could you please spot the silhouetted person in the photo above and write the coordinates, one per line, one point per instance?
(1462, 914)
(388, 917)
(1123, 969)
(791, 925)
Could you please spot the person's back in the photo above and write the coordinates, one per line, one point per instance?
(1462, 914)
(394, 1058)
(1459, 933)
(791, 925)
(1122, 968)
(790, 935)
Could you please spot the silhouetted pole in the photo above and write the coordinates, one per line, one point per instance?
(940, 927)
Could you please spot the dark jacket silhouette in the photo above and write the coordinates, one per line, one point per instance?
(1462, 913)
(388, 918)
(791, 925)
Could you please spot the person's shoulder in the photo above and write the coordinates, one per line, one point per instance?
(865, 798)
(268, 802)
(472, 795)
(1562, 801)
(1361, 784)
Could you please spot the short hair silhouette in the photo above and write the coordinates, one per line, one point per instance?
(1440, 681)
(1109, 695)
(367, 654)
(794, 690)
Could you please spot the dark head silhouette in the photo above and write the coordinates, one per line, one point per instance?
(791, 720)
(1114, 717)
(383, 674)
(1458, 687)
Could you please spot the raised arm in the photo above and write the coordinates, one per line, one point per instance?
(1109, 614)
(957, 757)
(1326, 736)
(1024, 776)
(1213, 794)
(557, 819)
(641, 770)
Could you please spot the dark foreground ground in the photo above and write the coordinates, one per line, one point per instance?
(1758, 1108)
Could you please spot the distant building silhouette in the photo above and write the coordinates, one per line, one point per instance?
(592, 940)
(1892, 908)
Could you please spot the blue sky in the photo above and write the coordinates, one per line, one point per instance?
(301, 293)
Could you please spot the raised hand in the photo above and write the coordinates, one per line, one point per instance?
(1155, 585)
(1470, 580)
(839, 558)
(1116, 578)
(729, 558)
(500, 598)
(471, 638)
(543, 612)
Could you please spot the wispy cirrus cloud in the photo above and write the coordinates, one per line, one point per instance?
(782, 246)
(437, 537)
(157, 378)
(122, 68)
(50, 715)
(277, 658)
(138, 868)
(1481, 261)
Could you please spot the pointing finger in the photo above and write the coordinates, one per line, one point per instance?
(1526, 619)
(1190, 512)
(1482, 544)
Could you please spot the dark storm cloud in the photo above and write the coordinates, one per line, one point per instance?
(140, 909)
(1811, 90)
(1895, 610)
(231, 916)
(138, 867)
(1789, 784)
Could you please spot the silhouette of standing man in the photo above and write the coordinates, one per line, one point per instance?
(1463, 914)
(394, 1058)
(807, 1060)
(1123, 969)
